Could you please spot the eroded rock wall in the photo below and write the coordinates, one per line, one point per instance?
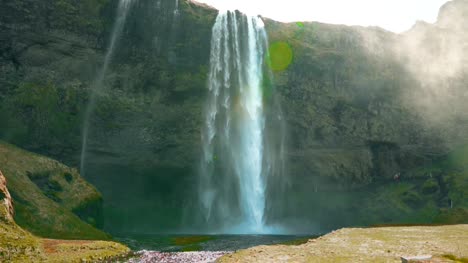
(7, 212)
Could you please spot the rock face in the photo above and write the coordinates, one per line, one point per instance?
(357, 106)
(147, 120)
(6, 201)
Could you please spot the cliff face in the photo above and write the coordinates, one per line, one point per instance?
(6, 208)
(373, 118)
(347, 96)
(145, 129)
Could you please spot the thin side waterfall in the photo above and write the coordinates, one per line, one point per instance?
(233, 173)
(97, 86)
(176, 8)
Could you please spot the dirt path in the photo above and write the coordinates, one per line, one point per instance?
(50, 245)
(81, 250)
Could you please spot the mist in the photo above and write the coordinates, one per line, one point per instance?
(434, 59)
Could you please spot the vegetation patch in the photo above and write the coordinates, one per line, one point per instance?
(191, 240)
(44, 200)
(296, 242)
(18, 245)
(456, 259)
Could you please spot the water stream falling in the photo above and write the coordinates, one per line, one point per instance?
(176, 8)
(97, 86)
(233, 179)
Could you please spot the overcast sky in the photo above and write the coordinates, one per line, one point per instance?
(393, 15)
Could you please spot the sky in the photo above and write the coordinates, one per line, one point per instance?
(393, 15)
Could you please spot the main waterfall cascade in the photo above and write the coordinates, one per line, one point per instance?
(235, 167)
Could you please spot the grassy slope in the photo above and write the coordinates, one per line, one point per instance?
(17, 245)
(37, 212)
(368, 245)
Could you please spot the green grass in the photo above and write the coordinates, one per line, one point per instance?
(18, 245)
(190, 240)
(36, 211)
(456, 259)
(296, 242)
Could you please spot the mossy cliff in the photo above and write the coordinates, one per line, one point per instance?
(50, 199)
(373, 120)
(18, 245)
(348, 96)
(147, 119)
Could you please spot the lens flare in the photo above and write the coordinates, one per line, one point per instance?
(280, 56)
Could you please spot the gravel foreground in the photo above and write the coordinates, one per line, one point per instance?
(178, 257)
(385, 244)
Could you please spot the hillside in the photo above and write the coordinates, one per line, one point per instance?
(18, 245)
(51, 199)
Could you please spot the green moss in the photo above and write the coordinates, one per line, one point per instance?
(44, 200)
(41, 116)
(412, 199)
(76, 251)
(430, 186)
(296, 242)
(456, 259)
(458, 189)
(452, 216)
(18, 245)
(191, 248)
(190, 240)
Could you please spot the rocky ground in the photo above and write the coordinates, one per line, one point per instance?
(82, 251)
(385, 244)
(178, 257)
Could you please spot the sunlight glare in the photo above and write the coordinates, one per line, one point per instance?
(393, 15)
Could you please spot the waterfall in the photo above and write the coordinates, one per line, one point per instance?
(97, 86)
(233, 167)
(176, 7)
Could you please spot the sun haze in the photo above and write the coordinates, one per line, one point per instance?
(393, 15)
